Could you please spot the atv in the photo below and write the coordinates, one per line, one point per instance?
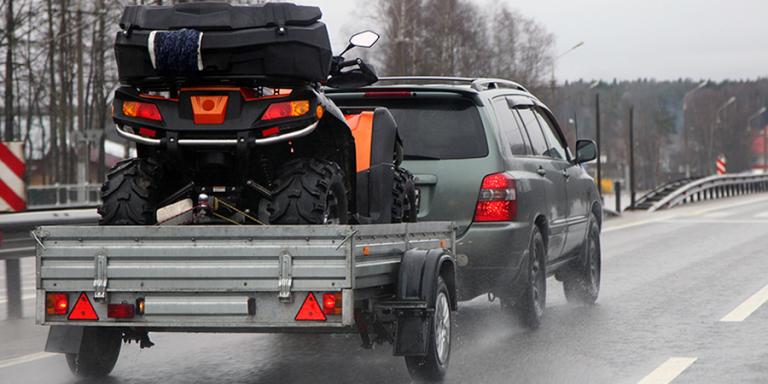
(226, 108)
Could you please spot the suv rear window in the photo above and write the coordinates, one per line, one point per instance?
(435, 128)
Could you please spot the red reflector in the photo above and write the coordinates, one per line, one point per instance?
(120, 311)
(388, 94)
(497, 200)
(56, 303)
(146, 132)
(83, 310)
(310, 310)
(270, 132)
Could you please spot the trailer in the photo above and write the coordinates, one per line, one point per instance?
(100, 286)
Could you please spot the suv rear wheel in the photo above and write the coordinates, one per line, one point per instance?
(529, 309)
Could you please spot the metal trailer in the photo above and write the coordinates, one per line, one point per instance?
(100, 285)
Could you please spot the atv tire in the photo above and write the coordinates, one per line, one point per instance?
(404, 208)
(131, 193)
(309, 191)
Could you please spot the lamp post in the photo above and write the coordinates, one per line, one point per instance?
(597, 139)
(718, 122)
(686, 152)
(554, 61)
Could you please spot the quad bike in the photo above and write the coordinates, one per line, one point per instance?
(231, 124)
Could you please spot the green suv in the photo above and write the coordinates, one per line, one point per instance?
(491, 157)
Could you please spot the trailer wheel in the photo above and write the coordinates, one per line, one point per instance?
(130, 194)
(98, 353)
(309, 191)
(433, 366)
(404, 209)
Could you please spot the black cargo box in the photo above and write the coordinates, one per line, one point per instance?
(212, 41)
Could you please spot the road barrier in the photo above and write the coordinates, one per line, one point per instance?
(714, 187)
(62, 196)
(16, 243)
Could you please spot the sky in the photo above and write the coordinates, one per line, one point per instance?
(629, 39)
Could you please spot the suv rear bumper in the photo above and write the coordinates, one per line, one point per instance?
(491, 257)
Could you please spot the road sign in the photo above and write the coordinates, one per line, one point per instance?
(13, 197)
(720, 165)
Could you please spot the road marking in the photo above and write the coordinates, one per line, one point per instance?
(747, 307)
(25, 359)
(762, 215)
(668, 371)
(713, 221)
(717, 214)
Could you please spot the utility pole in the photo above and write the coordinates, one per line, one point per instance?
(599, 146)
(632, 188)
(10, 32)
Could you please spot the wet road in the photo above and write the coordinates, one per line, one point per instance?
(669, 278)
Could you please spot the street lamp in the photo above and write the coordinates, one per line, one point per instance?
(718, 122)
(554, 61)
(686, 98)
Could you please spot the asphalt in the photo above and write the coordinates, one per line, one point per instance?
(668, 280)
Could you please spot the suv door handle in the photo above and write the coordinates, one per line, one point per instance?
(541, 171)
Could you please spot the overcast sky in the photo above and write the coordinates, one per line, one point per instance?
(628, 39)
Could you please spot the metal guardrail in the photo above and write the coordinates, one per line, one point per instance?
(714, 187)
(17, 243)
(59, 196)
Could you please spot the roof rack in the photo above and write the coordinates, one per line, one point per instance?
(478, 84)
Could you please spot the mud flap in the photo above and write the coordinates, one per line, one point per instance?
(64, 339)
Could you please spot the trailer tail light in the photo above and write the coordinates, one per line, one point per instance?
(498, 199)
(142, 110)
(310, 310)
(332, 304)
(120, 311)
(56, 303)
(83, 309)
(286, 110)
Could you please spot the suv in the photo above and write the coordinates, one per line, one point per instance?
(491, 157)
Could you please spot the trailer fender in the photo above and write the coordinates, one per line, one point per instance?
(64, 339)
(419, 270)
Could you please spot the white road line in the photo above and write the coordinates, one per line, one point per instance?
(713, 221)
(747, 307)
(668, 371)
(25, 359)
(762, 215)
(717, 214)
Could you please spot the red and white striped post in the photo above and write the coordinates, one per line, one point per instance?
(13, 196)
(721, 165)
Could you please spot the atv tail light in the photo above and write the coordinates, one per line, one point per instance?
(56, 303)
(286, 109)
(332, 304)
(142, 110)
(120, 311)
(498, 199)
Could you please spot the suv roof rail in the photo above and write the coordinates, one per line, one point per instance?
(478, 84)
(484, 84)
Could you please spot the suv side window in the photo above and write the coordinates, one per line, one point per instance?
(555, 148)
(511, 132)
(538, 142)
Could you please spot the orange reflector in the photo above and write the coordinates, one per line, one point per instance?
(286, 109)
(83, 310)
(310, 310)
(209, 110)
(56, 303)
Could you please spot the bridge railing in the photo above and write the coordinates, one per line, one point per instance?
(60, 196)
(714, 187)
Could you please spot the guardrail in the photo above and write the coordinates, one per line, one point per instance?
(714, 187)
(60, 196)
(17, 244)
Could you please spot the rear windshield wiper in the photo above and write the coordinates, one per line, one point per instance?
(419, 157)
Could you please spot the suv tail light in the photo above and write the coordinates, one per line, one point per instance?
(498, 199)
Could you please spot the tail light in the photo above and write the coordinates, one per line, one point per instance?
(332, 304)
(141, 110)
(120, 311)
(498, 199)
(286, 110)
(56, 303)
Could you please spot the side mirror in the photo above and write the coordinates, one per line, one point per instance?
(364, 39)
(586, 151)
